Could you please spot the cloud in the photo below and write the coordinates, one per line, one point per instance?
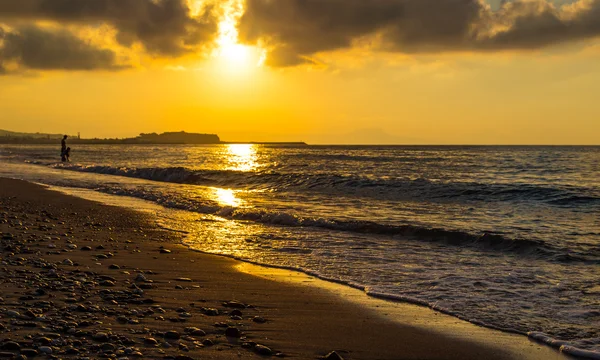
(163, 27)
(32, 47)
(536, 23)
(293, 31)
(298, 29)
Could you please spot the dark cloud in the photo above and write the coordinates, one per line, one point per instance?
(314, 25)
(297, 29)
(164, 27)
(434, 25)
(42, 49)
(536, 24)
(300, 28)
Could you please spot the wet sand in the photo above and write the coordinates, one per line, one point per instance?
(83, 279)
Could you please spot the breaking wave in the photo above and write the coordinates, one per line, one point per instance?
(358, 186)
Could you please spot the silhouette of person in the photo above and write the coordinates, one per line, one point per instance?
(67, 155)
(63, 148)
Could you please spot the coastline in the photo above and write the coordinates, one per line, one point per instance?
(303, 321)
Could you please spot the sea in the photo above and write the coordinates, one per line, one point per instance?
(506, 237)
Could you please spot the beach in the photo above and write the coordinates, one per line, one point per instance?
(83, 279)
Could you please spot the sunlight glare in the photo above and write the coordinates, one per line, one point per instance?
(226, 197)
(230, 53)
(242, 157)
(236, 55)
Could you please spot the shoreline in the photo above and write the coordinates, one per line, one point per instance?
(310, 324)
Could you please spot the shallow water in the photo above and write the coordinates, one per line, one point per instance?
(508, 237)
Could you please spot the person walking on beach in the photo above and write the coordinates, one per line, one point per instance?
(67, 155)
(63, 148)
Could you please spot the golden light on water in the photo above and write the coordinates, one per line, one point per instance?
(242, 157)
(226, 197)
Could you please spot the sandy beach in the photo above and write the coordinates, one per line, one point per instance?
(86, 280)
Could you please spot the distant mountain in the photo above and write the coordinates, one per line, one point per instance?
(6, 133)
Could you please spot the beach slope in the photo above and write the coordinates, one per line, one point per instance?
(82, 279)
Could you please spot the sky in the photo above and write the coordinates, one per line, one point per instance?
(319, 71)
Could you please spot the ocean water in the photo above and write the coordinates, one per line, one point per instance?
(504, 237)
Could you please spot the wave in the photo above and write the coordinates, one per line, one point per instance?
(572, 348)
(397, 189)
(482, 242)
(564, 346)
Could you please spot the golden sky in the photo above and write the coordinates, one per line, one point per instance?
(320, 71)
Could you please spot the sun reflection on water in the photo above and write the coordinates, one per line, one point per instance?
(242, 157)
(227, 197)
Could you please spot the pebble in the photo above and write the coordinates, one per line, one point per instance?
(12, 313)
(235, 304)
(263, 350)
(333, 356)
(107, 283)
(210, 311)
(72, 351)
(233, 332)
(10, 346)
(45, 350)
(100, 337)
(235, 312)
(44, 341)
(195, 331)
(173, 335)
(108, 348)
(151, 341)
(207, 342)
(259, 320)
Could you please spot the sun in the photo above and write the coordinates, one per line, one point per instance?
(238, 56)
(230, 53)
(235, 54)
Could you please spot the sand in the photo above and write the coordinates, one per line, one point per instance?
(83, 279)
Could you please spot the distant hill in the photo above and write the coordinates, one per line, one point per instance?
(175, 138)
(181, 137)
(6, 133)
